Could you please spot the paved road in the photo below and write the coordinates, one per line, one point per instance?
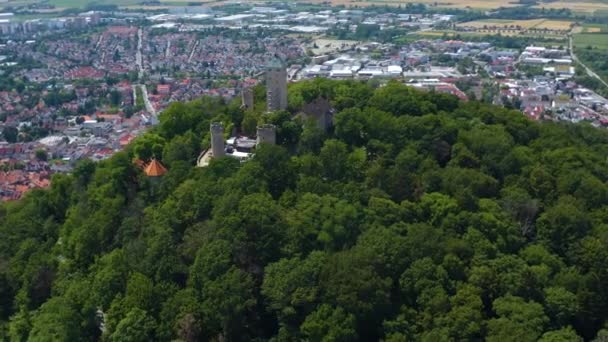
(574, 58)
(147, 102)
(140, 67)
(138, 55)
(98, 42)
(134, 89)
(193, 51)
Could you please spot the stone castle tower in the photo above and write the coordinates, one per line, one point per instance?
(217, 139)
(247, 98)
(276, 86)
(266, 134)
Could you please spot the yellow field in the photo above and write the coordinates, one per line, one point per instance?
(586, 7)
(583, 6)
(481, 32)
(502, 24)
(473, 4)
(478, 4)
(555, 25)
(168, 4)
(519, 25)
(435, 33)
(451, 33)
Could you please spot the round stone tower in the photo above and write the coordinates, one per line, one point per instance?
(266, 134)
(217, 139)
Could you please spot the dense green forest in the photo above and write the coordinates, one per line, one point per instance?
(417, 217)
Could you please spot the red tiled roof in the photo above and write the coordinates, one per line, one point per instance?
(125, 140)
(155, 169)
(84, 72)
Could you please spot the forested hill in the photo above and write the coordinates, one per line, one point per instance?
(417, 217)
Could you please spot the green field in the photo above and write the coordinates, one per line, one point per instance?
(596, 40)
(594, 28)
(63, 4)
(84, 3)
(17, 3)
(496, 21)
(451, 33)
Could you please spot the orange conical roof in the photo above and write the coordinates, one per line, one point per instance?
(155, 169)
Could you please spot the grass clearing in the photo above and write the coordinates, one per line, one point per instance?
(596, 40)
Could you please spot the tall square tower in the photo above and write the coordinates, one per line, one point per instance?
(276, 86)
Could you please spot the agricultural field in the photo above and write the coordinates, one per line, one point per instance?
(581, 7)
(555, 29)
(592, 50)
(133, 4)
(472, 4)
(595, 40)
(13, 3)
(84, 3)
(172, 3)
(479, 4)
(594, 28)
(558, 25)
(146, 7)
(481, 33)
(585, 7)
(447, 33)
(539, 24)
(501, 23)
